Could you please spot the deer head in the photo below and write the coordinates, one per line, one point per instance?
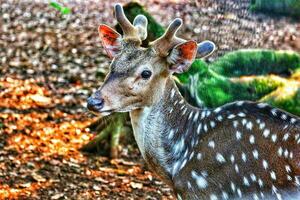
(137, 75)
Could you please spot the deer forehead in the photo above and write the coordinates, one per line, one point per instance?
(132, 57)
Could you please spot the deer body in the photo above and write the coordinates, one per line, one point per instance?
(242, 150)
(222, 153)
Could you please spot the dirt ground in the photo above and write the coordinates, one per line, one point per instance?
(48, 67)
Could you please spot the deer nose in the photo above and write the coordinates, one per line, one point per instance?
(95, 104)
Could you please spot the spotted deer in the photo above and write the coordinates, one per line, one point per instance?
(242, 150)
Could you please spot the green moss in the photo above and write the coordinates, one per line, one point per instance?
(286, 98)
(257, 62)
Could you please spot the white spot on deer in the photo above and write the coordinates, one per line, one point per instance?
(236, 167)
(241, 114)
(245, 181)
(288, 169)
(273, 111)
(255, 154)
(191, 155)
(239, 192)
(231, 116)
(252, 139)
(238, 135)
(291, 155)
(265, 164)
(273, 175)
(172, 93)
(171, 134)
(185, 153)
(235, 123)
(205, 127)
(182, 107)
(189, 185)
(179, 197)
(260, 183)
(232, 185)
(232, 158)
(275, 190)
(181, 102)
(211, 144)
(213, 197)
(220, 158)
(183, 164)
(286, 136)
(286, 153)
(207, 113)
(253, 177)
(175, 167)
(266, 133)
(297, 180)
(190, 115)
(200, 180)
(219, 118)
(199, 156)
(262, 105)
(262, 125)
(297, 136)
(217, 109)
(196, 116)
(225, 195)
(199, 128)
(283, 116)
(202, 114)
(239, 103)
(244, 121)
(289, 178)
(280, 151)
(274, 138)
(184, 111)
(212, 124)
(293, 120)
(244, 157)
(255, 197)
(175, 102)
(249, 125)
(171, 110)
(179, 145)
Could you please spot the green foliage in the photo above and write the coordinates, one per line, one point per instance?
(257, 62)
(63, 10)
(289, 7)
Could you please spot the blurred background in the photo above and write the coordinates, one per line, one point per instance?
(51, 60)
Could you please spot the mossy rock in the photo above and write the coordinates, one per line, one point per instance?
(288, 7)
(238, 76)
(257, 62)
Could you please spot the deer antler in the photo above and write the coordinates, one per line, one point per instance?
(137, 31)
(169, 39)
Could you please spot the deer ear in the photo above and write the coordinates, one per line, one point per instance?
(182, 56)
(111, 40)
(205, 48)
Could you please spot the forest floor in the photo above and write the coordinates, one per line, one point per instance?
(48, 67)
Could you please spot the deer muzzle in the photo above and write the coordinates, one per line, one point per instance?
(95, 104)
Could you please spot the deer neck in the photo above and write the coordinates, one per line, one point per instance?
(163, 131)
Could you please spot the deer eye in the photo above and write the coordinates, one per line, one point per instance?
(146, 74)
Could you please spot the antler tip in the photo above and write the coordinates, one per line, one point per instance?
(177, 22)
